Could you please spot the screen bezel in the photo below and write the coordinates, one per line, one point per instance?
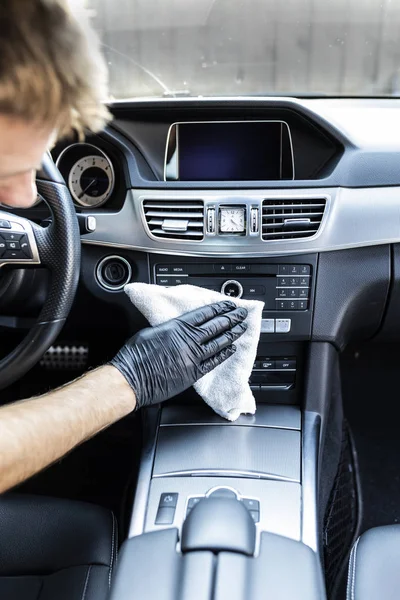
(172, 147)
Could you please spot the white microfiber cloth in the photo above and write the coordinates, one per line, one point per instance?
(226, 388)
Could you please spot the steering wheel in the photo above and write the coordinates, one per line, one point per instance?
(57, 247)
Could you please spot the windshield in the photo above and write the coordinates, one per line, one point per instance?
(174, 48)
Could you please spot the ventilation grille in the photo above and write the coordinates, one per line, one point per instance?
(291, 219)
(175, 219)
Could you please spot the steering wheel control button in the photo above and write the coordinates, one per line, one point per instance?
(165, 516)
(169, 499)
(232, 288)
(5, 224)
(268, 326)
(15, 254)
(13, 246)
(25, 247)
(283, 325)
(11, 237)
(113, 273)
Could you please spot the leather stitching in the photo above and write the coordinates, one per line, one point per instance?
(86, 582)
(351, 580)
(112, 551)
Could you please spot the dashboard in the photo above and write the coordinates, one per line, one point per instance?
(239, 195)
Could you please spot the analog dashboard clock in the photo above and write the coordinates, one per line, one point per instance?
(91, 181)
(232, 220)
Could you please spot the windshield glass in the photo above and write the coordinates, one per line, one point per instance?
(174, 48)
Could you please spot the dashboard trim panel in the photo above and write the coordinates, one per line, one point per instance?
(354, 218)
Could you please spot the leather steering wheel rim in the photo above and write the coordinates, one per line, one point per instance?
(59, 249)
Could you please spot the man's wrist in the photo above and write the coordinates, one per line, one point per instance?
(121, 387)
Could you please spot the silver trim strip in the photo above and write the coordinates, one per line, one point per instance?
(354, 218)
(311, 422)
(224, 473)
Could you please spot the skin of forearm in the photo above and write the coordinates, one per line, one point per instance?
(36, 432)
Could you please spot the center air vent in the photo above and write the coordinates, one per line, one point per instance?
(175, 219)
(291, 219)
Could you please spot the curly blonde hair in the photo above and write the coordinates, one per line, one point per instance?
(51, 68)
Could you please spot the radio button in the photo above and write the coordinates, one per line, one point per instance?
(268, 326)
(241, 268)
(163, 269)
(303, 293)
(254, 290)
(222, 268)
(305, 270)
(294, 281)
(294, 269)
(267, 365)
(286, 364)
(293, 293)
(284, 270)
(304, 281)
(232, 288)
(302, 304)
(283, 281)
(283, 293)
(163, 280)
(287, 305)
(178, 269)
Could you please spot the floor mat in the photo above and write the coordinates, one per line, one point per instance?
(372, 406)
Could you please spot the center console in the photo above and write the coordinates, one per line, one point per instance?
(256, 470)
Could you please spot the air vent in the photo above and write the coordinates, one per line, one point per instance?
(291, 219)
(175, 219)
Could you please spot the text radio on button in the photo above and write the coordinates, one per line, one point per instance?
(163, 269)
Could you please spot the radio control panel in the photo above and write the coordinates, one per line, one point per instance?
(285, 287)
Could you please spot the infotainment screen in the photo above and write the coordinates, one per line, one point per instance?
(229, 151)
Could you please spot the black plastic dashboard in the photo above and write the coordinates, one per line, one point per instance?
(341, 213)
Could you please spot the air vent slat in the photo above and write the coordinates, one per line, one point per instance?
(291, 218)
(175, 219)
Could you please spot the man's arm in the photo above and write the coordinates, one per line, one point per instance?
(154, 365)
(34, 433)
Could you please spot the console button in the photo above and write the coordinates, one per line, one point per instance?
(305, 270)
(165, 516)
(222, 268)
(163, 269)
(283, 325)
(232, 288)
(164, 280)
(293, 293)
(294, 269)
(293, 281)
(255, 515)
(179, 280)
(254, 290)
(304, 281)
(251, 504)
(287, 305)
(241, 268)
(5, 224)
(283, 293)
(267, 325)
(284, 269)
(193, 501)
(286, 364)
(302, 304)
(267, 364)
(178, 269)
(168, 499)
(283, 281)
(303, 293)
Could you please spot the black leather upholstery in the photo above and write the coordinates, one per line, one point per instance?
(55, 549)
(374, 569)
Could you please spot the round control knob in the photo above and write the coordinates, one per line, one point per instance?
(222, 492)
(113, 273)
(232, 288)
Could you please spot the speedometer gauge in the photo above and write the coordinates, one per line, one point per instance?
(91, 180)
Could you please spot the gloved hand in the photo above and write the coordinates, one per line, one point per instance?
(163, 361)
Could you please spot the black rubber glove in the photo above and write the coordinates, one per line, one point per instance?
(161, 362)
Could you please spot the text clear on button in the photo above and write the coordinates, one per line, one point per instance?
(268, 326)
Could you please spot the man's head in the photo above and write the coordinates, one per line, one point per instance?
(52, 81)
